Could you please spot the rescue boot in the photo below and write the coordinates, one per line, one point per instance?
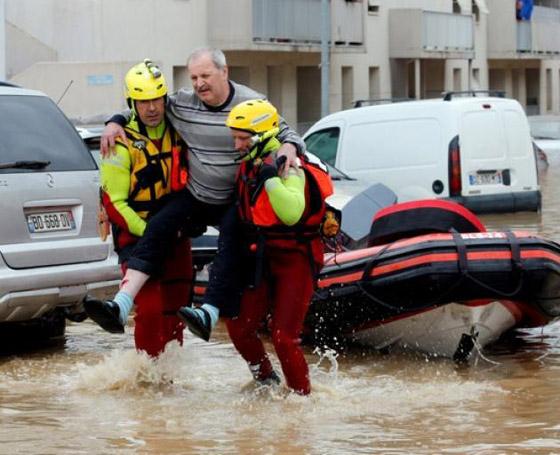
(271, 379)
(106, 314)
(197, 320)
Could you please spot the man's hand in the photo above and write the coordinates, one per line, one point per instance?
(110, 133)
(290, 152)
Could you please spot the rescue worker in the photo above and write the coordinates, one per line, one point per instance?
(283, 248)
(136, 182)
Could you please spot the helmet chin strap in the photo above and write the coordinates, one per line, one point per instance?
(259, 139)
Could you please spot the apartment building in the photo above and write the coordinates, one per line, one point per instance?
(379, 49)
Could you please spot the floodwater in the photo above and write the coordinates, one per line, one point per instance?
(93, 394)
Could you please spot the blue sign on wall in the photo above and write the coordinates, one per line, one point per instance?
(100, 79)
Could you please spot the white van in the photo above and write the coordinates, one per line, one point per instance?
(476, 151)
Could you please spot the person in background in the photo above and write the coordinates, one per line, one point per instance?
(282, 248)
(199, 115)
(136, 182)
(523, 9)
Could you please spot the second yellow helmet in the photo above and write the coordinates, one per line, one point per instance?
(255, 116)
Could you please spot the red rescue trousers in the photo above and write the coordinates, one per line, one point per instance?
(156, 320)
(286, 292)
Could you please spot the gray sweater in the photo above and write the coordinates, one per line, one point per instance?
(212, 155)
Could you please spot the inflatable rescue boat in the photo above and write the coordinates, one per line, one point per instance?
(426, 276)
(432, 279)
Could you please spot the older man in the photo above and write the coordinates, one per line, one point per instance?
(199, 115)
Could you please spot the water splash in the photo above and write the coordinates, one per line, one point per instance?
(328, 354)
(130, 369)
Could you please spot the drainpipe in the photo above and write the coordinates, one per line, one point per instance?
(469, 75)
(2, 40)
(325, 35)
(417, 79)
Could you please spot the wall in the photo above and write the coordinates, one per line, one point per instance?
(2, 42)
(222, 29)
(112, 31)
(94, 90)
(33, 51)
(502, 31)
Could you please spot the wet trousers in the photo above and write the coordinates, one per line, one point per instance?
(156, 320)
(184, 213)
(286, 292)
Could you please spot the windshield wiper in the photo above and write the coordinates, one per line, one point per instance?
(25, 165)
(341, 176)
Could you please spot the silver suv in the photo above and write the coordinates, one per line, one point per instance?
(50, 252)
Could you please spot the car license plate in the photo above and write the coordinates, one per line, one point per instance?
(486, 178)
(50, 221)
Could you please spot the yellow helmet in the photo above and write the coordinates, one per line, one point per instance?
(144, 81)
(255, 116)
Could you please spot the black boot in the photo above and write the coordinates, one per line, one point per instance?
(197, 320)
(273, 379)
(106, 314)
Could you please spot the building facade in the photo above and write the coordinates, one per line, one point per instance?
(379, 49)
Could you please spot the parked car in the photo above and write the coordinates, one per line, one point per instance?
(92, 137)
(542, 158)
(545, 130)
(473, 150)
(50, 252)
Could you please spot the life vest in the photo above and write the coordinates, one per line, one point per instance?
(154, 173)
(256, 209)
(151, 176)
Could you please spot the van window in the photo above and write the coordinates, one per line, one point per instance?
(482, 135)
(518, 136)
(392, 144)
(34, 128)
(324, 144)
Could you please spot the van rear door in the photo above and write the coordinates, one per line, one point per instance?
(497, 159)
(484, 157)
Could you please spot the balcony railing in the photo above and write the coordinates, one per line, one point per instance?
(415, 33)
(447, 32)
(524, 36)
(297, 21)
(540, 34)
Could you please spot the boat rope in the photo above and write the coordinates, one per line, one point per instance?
(517, 265)
(368, 269)
(481, 355)
(546, 354)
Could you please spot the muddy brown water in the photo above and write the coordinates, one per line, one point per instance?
(93, 394)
